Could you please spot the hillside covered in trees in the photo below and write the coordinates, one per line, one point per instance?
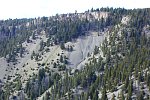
(117, 69)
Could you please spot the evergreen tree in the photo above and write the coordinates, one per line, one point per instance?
(62, 46)
(104, 95)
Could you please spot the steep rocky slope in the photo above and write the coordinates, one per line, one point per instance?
(82, 47)
(100, 54)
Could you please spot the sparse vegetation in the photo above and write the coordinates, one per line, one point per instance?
(122, 66)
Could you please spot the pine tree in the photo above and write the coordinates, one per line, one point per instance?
(140, 96)
(130, 89)
(61, 59)
(21, 50)
(41, 45)
(95, 95)
(104, 95)
(62, 46)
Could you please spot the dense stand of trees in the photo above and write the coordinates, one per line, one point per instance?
(125, 61)
(14, 32)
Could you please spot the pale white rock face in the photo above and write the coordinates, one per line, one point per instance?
(146, 30)
(27, 24)
(99, 15)
(125, 20)
(89, 15)
(82, 47)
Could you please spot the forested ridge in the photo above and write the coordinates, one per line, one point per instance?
(117, 70)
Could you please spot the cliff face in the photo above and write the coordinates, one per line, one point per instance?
(82, 47)
(95, 55)
(87, 15)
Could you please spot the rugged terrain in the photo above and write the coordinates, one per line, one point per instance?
(99, 54)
